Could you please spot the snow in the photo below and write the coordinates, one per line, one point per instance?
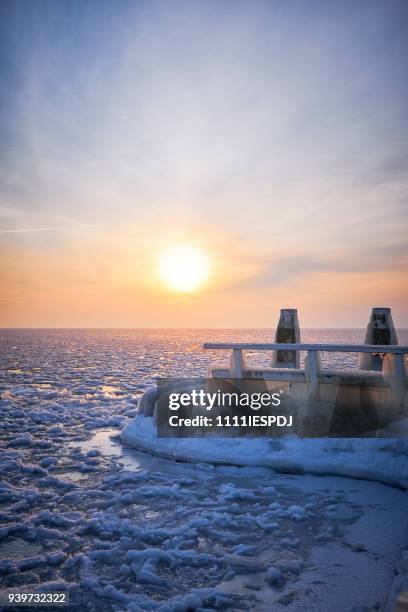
(380, 459)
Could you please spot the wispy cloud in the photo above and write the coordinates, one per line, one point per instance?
(278, 270)
(29, 229)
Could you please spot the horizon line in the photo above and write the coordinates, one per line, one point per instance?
(174, 328)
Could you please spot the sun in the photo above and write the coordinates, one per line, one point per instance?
(184, 269)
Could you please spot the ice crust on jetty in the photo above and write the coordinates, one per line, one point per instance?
(381, 459)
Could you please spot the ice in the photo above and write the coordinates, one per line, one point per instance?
(164, 491)
(59, 519)
(146, 575)
(28, 564)
(242, 549)
(198, 599)
(124, 530)
(384, 460)
(23, 441)
(229, 492)
(149, 553)
(275, 577)
(56, 558)
(48, 461)
(44, 416)
(269, 491)
(113, 593)
(53, 481)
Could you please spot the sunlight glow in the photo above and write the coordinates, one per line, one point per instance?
(184, 269)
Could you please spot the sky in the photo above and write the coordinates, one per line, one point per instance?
(272, 136)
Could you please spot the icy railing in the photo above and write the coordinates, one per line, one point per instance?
(393, 372)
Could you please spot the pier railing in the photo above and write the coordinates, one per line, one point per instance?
(393, 374)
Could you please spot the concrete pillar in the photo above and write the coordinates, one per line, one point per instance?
(380, 330)
(237, 364)
(395, 375)
(287, 332)
(313, 368)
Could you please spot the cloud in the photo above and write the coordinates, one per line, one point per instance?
(29, 229)
(363, 260)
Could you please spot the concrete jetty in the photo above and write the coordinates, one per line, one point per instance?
(347, 400)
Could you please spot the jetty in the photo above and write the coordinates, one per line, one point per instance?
(378, 388)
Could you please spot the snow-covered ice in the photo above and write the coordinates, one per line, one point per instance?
(380, 459)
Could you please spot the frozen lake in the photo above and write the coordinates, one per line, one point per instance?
(122, 530)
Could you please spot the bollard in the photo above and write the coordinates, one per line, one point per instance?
(287, 332)
(380, 330)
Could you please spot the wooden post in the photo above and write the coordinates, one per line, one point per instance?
(287, 332)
